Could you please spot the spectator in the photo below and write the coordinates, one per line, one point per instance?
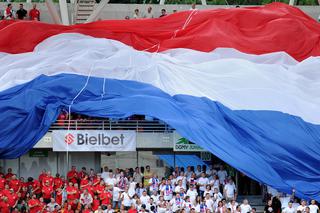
(147, 176)
(163, 13)
(149, 13)
(86, 198)
(230, 190)
(245, 207)
(8, 13)
(34, 13)
(127, 18)
(193, 6)
(313, 207)
(21, 13)
(289, 208)
(136, 14)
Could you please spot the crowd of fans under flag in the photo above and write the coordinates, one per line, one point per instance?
(134, 190)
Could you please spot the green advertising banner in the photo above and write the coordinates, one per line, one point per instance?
(184, 145)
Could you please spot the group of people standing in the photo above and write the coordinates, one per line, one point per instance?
(21, 14)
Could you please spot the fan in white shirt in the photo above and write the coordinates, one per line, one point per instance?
(302, 207)
(154, 183)
(215, 183)
(245, 207)
(233, 206)
(192, 193)
(155, 196)
(125, 198)
(209, 202)
(144, 198)
(229, 190)
(110, 181)
(289, 209)
(203, 181)
(179, 187)
(177, 203)
(183, 179)
(222, 174)
(313, 207)
(217, 196)
(105, 173)
(167, 191)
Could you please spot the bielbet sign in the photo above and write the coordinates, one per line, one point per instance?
(93, 140)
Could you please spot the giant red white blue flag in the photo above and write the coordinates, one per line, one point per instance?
(243, 83)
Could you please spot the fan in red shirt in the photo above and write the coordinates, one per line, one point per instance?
(14, 183)
(42, 175)
(84, 182)
(2, 182)
(47, 191)
(4, 205)
(9, 174)
(59, 196)
(48, 177)
(36, 189)
(12, 198)
(70, 192)
(23, 192)
(82, 173)
(86, 209)
(76, 191)
(34, 14)
(105, 197)
(73, 175)
(100, 188)
(57, 182)
(6, 191)
(90, 188)
(95, 203)
(42, 204)
(132, 209)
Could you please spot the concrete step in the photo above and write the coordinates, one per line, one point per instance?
(84, 13)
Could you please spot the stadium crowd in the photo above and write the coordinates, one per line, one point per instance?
(131, 191)
(20, 14)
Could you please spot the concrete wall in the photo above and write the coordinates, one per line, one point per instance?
(119, 11)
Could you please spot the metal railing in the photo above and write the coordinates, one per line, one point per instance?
(137, 125)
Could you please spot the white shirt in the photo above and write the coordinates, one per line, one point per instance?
(222, 174)
(167, 192)
(245, 208)
(105, 176)
(230, 189)
(177, 203)
(149, 15)
(313, 208)
(209, 204)
(289, 210)
(301, 208)
(145, 199)
(184, 181)
(178, 188)
(111, 181)
(155, 198)
(154, 184)
(116, 192)
(86, 199)
(192, 194)
(203, 181)
(215, 183)
(126, 200)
